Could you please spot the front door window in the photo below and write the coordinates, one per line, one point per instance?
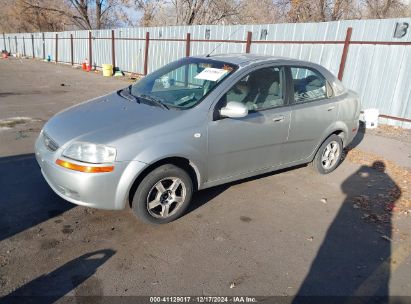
(260, 90)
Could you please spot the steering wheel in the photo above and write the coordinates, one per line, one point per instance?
(186, 99)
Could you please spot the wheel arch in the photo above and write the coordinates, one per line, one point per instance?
(178, 161)
(341, 134)
(340, 131)
(339, 128)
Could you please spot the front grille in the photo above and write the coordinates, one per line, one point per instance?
(50, 144)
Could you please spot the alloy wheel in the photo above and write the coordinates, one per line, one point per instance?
(331, 155)
(166, 197)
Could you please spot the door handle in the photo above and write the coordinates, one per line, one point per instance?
(330, 108)
(278, 118)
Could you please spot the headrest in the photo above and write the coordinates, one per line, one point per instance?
(313, 80)
(274, 89)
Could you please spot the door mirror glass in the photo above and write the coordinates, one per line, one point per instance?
(234, 109)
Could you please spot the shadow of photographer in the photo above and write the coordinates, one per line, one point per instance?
(352, 260)
(51, 287)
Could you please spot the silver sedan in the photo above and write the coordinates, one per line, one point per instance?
(196, 123)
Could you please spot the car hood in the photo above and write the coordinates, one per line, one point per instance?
(105, 119)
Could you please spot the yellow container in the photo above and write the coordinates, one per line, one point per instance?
(107, 70)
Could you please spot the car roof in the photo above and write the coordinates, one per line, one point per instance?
(241, 58)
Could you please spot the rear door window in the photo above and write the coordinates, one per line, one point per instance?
(309, 84)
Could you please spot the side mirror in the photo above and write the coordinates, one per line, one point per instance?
(234, 109)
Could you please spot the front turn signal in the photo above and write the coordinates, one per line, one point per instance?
(86, 169)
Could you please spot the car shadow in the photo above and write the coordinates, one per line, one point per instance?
(202, 197)
(25, 199)
(51, 287)
(354, 258)
(359, 137)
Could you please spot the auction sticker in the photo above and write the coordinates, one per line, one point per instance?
(211, 74)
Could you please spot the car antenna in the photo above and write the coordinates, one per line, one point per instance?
(208, 55)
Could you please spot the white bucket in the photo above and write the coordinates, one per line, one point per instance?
(371, 118)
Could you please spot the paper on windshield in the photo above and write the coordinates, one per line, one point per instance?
(211, 74)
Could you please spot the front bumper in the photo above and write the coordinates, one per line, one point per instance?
(97, 190)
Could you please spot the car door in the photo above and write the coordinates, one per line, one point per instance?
(254, 142)
(312, 112)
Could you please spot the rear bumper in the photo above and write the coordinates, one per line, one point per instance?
(352, 132)
(97, 190)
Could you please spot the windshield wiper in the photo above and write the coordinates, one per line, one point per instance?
(126, 93)
(154, 100)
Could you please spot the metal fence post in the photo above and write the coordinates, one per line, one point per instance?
(71, 49)
(4, 40)
(15, 40)
(57, 48)
(24, 47)
(146, 53)
(248, 42)
(9, 44)
(186, 70)
(345, 53)
(188, 42)
(44, 46)
(32, 45)
(113, 51)
(90, 51)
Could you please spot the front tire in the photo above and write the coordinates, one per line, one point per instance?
(163, 195)
(329, 155)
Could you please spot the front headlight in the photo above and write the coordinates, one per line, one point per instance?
(90, 153)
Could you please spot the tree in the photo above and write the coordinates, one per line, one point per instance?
(59, 15)
(260, 11)
(83, 14)
(385, 9)
(321, 10)
(205, 11)
(188, 12)
(17, 17)
(150, 10)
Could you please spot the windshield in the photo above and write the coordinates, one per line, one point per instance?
(183, 83)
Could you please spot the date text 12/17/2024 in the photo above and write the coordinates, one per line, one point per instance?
(203, 299)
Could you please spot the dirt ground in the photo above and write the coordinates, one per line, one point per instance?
(288, 233)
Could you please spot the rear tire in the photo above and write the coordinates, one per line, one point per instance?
(329, 155)
(163, 195)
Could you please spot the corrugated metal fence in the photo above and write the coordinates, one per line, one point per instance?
(370, 60)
